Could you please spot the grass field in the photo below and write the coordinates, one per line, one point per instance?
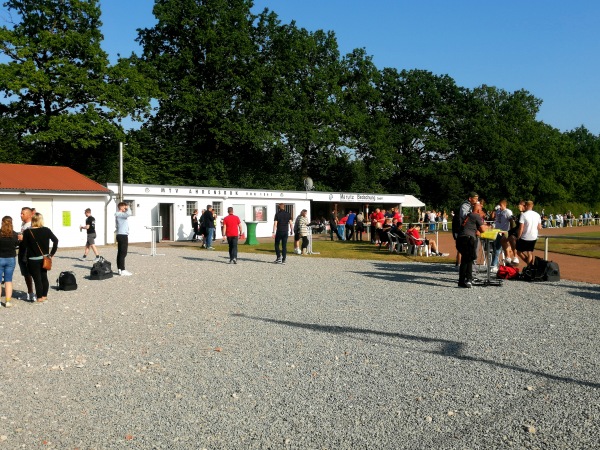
(589, 248)
(365, 250)
(339, 249)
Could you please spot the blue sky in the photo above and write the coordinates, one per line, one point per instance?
(550, 48)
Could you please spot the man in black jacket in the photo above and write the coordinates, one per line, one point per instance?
(282, 228)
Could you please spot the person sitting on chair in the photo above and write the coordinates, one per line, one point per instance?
(413, 230)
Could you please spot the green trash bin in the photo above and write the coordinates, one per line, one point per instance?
(251, 233)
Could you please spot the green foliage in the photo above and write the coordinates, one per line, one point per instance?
(247, 101)
(64, 100)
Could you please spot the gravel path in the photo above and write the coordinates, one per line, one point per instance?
(193, 353)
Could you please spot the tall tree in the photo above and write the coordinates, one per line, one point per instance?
(64, 100)
(202, 54)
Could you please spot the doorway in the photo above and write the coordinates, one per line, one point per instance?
(165, 218)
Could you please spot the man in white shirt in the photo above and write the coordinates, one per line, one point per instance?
(530, 224)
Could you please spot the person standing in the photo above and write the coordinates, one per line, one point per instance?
(466, 244)
(90, 227)
(122, 224)
(333, 225)
(209, 226)
(502, 216)
(232, 230)
(37, 242)
(530, 223)
(195, 225)
(26, 215)
(350, 226)
(303, 230)
(297, 250)
(282, 228)
(360, 226)
(9, 240)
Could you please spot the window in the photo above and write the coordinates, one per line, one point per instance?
(217, 208)
(259, 213)
(190, 207)
(131, 204)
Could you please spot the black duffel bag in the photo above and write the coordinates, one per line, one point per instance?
(541, 270)
(101, 270)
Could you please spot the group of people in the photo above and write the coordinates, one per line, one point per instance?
(204, 226)
(27, 247)
(569, 219)
(516, 238)
(33, 244)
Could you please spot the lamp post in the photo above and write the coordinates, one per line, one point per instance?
(120, 172)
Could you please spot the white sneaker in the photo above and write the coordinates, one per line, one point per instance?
(507, 261)
(125, 273)
(494, 269)
(96, 259)
(515, 261)
(297, 251)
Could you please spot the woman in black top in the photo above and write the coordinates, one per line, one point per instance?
(9, 241)
(37, 242)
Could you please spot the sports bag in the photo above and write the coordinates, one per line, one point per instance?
(66, 281)
(101, 270)
(507, 272)
(541, 270)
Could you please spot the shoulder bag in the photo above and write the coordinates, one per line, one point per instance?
(46, 261)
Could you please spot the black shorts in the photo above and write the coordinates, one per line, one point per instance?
(525, 246)
(297, 236)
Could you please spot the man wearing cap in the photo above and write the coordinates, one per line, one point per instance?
(463, 211)
(466, 244)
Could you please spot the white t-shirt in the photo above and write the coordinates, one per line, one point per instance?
(531, 220)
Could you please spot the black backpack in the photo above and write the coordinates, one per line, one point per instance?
(66, 281)
(101, 270)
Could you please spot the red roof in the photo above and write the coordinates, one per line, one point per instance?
(21, 177)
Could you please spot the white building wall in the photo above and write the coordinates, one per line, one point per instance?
(62, 214)
(147, 198)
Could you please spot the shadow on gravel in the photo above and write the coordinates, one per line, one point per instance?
(591, 292)
(411, 273)
(452, 349)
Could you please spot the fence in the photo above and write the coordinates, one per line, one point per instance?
(573, 238)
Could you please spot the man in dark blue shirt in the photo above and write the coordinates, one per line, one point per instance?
(282, 228)
(350, 224)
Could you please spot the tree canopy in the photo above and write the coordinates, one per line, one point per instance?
(242, 99)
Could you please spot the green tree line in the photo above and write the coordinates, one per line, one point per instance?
(227, 97)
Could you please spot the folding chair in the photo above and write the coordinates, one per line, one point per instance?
(393, 239)
(402, 242)
(417, 246)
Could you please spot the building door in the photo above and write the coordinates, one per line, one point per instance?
(165, 218)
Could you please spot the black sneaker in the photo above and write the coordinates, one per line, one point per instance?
(466, 284)
(277, 261)
(283, 261)
(235, 261)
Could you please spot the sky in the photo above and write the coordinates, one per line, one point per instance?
(550, 48)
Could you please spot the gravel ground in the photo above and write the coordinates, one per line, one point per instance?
(193, 353)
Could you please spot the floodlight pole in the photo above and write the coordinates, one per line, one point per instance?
(120, 172)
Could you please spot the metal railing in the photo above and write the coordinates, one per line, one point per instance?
(573, 238)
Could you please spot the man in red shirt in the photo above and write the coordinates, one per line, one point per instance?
(232, 229)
